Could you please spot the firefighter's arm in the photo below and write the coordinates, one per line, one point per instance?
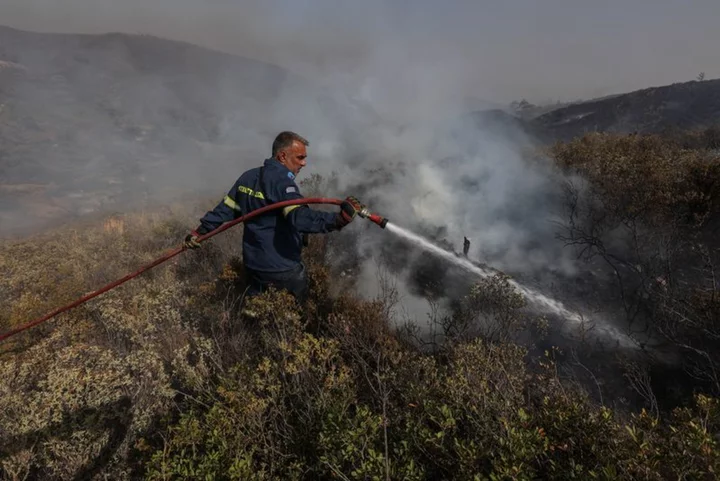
(226, 210)
(302, 217)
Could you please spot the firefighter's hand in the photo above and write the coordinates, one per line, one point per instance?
(348, 210)
(191, 241)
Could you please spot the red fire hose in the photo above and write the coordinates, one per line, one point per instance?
(373, 217)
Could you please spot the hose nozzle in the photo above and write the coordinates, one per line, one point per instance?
(376, 218)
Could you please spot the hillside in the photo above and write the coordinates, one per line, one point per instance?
(163, 378)
(682, 106)
(139, 87)
(99, 120)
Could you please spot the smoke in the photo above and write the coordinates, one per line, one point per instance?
(477, 183)
(111, 122)
(449, 178)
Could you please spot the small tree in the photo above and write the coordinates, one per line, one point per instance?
(701, 77)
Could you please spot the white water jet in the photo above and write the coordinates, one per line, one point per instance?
(538, 299)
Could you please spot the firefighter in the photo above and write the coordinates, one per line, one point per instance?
(272, 242)
(466, 246)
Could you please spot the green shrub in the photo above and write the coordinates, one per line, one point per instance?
(360, 405)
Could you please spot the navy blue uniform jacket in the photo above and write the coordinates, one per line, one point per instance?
(272, 242)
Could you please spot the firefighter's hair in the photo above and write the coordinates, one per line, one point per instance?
(285, 140)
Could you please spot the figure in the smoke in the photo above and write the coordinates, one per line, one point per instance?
(466, 246)
(272, 243)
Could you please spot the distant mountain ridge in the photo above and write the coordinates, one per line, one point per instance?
(97, 118)
(129, 79)
(688, 105)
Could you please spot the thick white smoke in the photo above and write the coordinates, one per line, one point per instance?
(450, 174)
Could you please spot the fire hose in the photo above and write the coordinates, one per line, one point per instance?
(375, 218)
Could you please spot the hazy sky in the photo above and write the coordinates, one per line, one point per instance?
(500, 50)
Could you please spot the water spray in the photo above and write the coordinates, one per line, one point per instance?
(541, 301)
